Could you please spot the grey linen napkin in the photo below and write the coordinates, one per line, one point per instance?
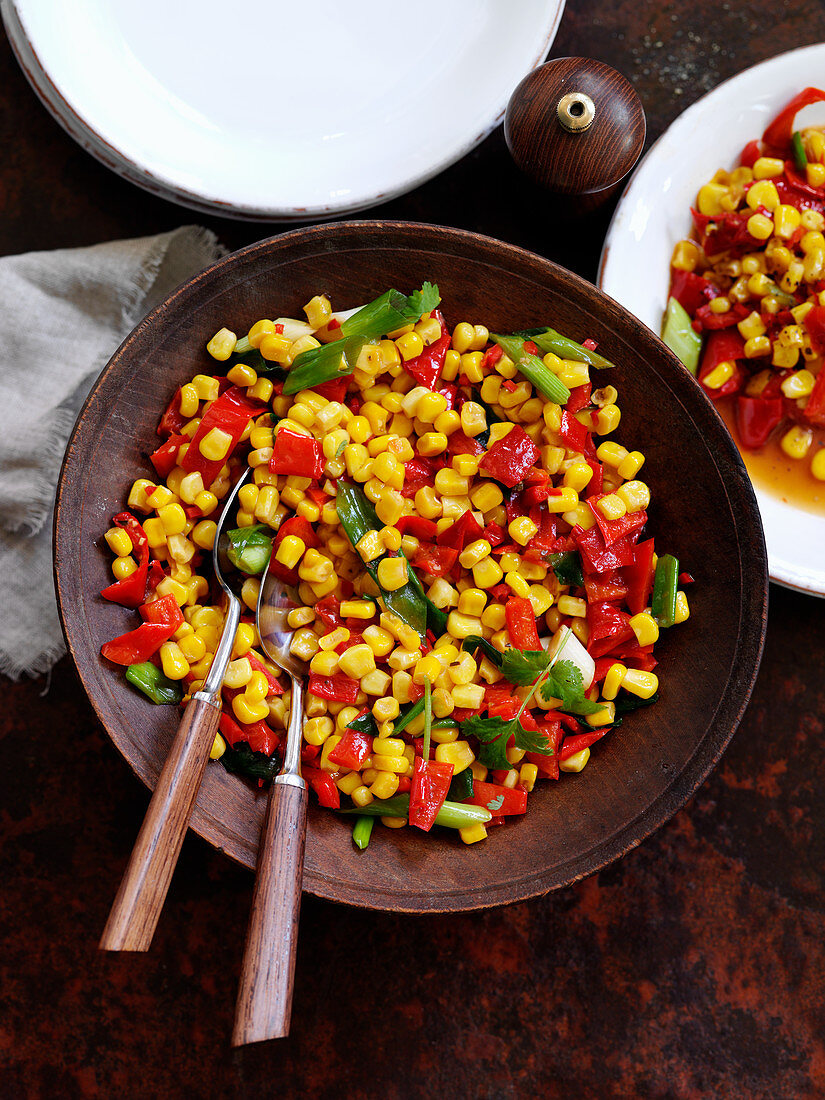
(64, 314)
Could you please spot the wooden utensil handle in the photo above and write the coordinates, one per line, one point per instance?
(142, 892)
(265, 994)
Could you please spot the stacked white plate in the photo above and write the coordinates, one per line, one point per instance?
(274, 110)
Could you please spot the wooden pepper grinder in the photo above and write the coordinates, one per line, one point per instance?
(576, 127)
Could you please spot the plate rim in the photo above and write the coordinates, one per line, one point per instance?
(720, 726)
(781, 571)
(84, 134)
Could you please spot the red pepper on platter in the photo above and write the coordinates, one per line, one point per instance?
(426, 368)
(138, 645)
(435, 560)
(324, 786)
(173, 419)
(499, 800)
(230, 413)
(756, 418)
(638, 575)
(165, 458)
(466, 529)
(778, 134)
(521, 623)
(296, 454)
(338, 688)
(352, 750)
(571, 745)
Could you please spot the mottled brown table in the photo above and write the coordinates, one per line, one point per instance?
(691, 968)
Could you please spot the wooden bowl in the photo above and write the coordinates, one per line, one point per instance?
(704, 511)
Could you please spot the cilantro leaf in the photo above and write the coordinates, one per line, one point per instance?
(494, 735)
(424, 300)
(564, 681)
(568, 568)
(519, 666)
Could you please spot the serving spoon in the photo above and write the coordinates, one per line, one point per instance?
(264, 1002)
(137, 906)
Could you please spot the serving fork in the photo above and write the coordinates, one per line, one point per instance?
(137, 906)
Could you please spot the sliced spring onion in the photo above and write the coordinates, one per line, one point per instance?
(453, 815)
(550, 340)
(533, 369)
(799, 157)
(362, 831)
(154, 683)
(679, 335)
(665, 585)
(249, 548)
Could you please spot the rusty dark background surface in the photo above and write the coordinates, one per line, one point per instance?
(691, 968)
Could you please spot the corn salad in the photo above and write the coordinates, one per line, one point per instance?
(477, 605)
(752, 283)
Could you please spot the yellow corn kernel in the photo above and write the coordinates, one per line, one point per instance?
(573, 606)
(522, 529)
(318, 311)
(257, 688)
(242, 375)
(432, 443)
(410, 345)
(472, 834)
(276, 348)
(173, 662)
(430, 407)
(611, 454)
(645, 628)
(815, 174)
(785, 220)
(385, 785)
(462, 670)
(218, 745)
(462, 626)
(540, 599)
(457, 753)
(635, 494)
(473, 553)
(613, 680)
(189, 401)
(469, 696)
(631, 465)
(611, 506)
(563, 501)
(392, 573)
(472, 601)
(762, 193)
(767, 167)
(607, 419)
(487, 573)
(682, 607)
(155, 534)
(124, 567)
(643, 684)
(361, 796)
(798, 384)
(578, 476)
(118, 541)
(760, 226)
(304, 644)
(685, 256)
(357, 661)
(396, 764)
(238, 673)
(796, 442)
(720, 304)
(720, 374)
(324, 663)
(709, 199)
(517, 583)
(576, 762)
(385, 709)
(215, 445)
(757, 346)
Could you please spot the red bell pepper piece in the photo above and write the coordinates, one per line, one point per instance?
(572, 745)
(609, 627)
(814, 411)
(418, 472)
(597, 557)
(510, 458)
(352, 750)
(614, 529)
(258, 735)
(750, 154)
(721, 347)
(231, 413)
(324, 786)
(494, 534)
(464, 530)
(335, 389)
(705, 320)
(639, 576)
(131, 592)
(690, 290)
(165, 458)
(338, 688)
(815, 327)
(328, 611)
(499, 800)
(137, 645)
(164, 610)
(778, 134)
(426, 368)
(575, 435)
(579, 398)
(605, 588)
(156, 575)
(302, 528)
(310, 753)
(296, 454)
(521, 623)
(274, 685)
(500, 700)
(418, 527)
(491, 357)
(428, 790)
(435, 560)
(460, 444)
(172, 420)
(756, 418)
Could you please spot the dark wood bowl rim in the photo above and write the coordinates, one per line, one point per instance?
(750, 539)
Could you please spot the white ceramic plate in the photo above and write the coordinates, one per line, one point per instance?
(654, 213)
(270, 110)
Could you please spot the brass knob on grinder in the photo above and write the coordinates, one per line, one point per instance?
(576, 127)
